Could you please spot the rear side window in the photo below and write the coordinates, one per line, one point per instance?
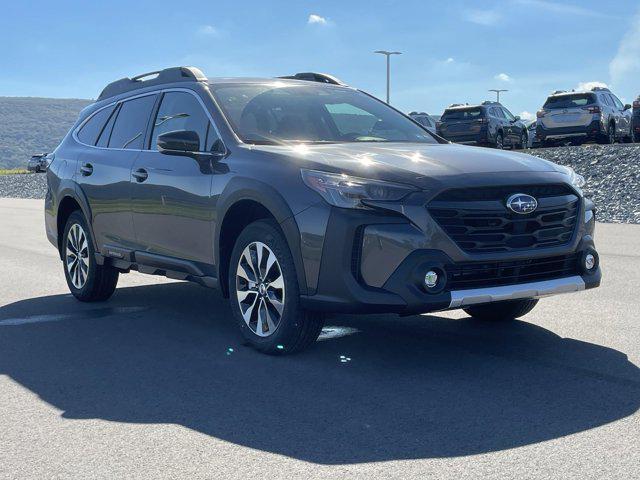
(462, 114)
(181, 111)
(89, 132)
(570, 101)
(131, 123)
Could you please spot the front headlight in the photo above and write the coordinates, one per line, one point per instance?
(349, 192)
(575, 179)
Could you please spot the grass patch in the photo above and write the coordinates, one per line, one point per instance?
(14, 171)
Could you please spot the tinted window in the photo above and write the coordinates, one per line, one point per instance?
(180, 111)
(570, 101)
(607, 100)
(462, 114)
(275, 113)
(131, 123)
(617, 101)
(508, 114)
(89, 132)
(103, 139)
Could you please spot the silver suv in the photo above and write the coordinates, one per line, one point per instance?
(578, 117)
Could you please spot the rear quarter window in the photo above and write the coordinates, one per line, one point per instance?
(89, 132)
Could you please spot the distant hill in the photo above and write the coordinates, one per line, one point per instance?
(31, 125)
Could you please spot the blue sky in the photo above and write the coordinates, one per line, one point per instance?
(452, 51)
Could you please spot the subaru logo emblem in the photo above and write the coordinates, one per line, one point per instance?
(522, 203)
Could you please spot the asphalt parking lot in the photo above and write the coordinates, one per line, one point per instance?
(155, 383)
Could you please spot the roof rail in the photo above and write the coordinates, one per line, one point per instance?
(315, 77)
(600, 89)
(490, 102)
(168, 75)
(453, 105)
(556, 92)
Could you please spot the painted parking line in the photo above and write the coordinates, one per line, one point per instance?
(84, 314)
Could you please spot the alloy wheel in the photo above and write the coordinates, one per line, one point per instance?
(77, 256)
(260, 289)
(499, 142)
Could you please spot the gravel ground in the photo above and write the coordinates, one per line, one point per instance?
(27, 185)
(612, 173)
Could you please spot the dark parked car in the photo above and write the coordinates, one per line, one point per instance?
(298, 198)
(425, 120)
(636, 120)
(488, 124)
(38, 163)
(579, 117)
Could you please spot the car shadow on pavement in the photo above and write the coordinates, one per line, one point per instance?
(413, 387)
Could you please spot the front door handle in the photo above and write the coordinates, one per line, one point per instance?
(140, 175)
(86, 169)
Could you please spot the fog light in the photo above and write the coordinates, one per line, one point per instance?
(430, 279)
(589, 261)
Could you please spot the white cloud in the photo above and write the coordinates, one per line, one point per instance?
(483, 17)
(503, 77)
(317, 19)
(208, 30)
(526, 116)
(624, 69)
(449, 60)
(585, 86)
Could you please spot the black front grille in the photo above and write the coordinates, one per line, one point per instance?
(478, 220)
(463, 276)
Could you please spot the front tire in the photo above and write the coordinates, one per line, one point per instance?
(264, 292)
(87, 281)
(499, 141)
(502, 311)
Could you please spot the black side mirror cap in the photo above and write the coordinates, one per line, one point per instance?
(627, 106)
(179, 142)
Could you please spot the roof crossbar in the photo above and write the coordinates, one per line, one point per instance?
(315, 77)
(158, 77)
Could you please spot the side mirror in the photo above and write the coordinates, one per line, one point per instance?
(516, 118)
(179, 142)
(627, 107)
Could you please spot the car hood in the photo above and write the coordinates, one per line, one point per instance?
(411, 163)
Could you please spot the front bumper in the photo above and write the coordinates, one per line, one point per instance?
(375, 263)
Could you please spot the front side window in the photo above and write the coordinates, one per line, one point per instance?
(181, 111)
(508, 114)
(131, 123)
(89, 132)
(280, 113)
(617, 101)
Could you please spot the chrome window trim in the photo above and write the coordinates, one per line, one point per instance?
(146, 94)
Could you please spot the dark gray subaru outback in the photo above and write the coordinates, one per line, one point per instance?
(302, 196)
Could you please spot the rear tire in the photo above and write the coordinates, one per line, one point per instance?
(264, 292)
(502, 311)
(500, 141)
(524, 141)
(87, 281)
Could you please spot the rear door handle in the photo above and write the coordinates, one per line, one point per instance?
(140, 175)
(86, 169)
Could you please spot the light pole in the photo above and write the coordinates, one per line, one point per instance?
(498, 90)
(388, 55)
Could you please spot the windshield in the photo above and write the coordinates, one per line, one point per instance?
(462, 114)
(570, 101)
(280, 113)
